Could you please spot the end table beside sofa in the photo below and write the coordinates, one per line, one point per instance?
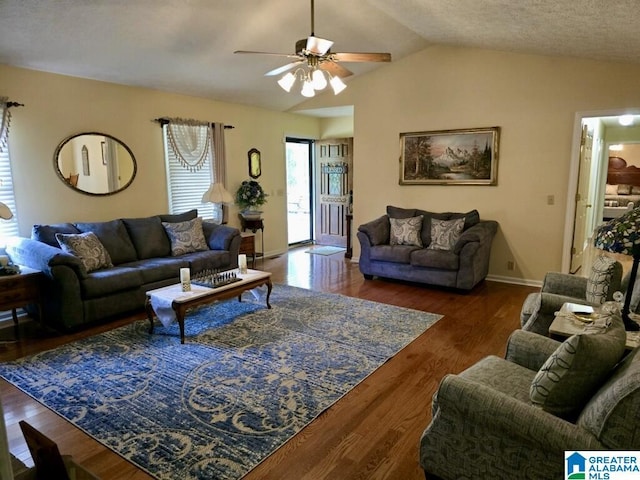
(142, 259)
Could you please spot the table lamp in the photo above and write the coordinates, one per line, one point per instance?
(622, 235)
(217, 194)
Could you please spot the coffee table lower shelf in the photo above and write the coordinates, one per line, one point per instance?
(183, 301)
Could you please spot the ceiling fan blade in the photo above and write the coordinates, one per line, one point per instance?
(318, 46)
(288, 55)
(335, 69)
(282, 69)
(361, 57)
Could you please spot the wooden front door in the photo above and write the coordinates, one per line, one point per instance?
(332, 186)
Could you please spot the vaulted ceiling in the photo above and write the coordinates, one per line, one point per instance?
(186, 46)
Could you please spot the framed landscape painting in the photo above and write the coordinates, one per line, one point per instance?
(450, 157)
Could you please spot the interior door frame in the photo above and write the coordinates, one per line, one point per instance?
(572, 185)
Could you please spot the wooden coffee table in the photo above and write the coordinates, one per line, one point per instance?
(181, 301)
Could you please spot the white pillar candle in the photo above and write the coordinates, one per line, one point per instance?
(185, 279)
(242, 263)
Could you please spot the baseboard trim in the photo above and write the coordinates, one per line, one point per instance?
(514, 280)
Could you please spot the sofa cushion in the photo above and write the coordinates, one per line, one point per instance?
(210, 260)
(578, 367)
(470, 218)
(377, 230)
(186, 237)
(115, 238)
(47, 233)
(179, 217)
(599, 281)
(148, 236)
(87, 247)
(398, 212)
(395, 254)
(430, 258)
(405, 231)
(159, 269)
(445, 233)
(101, 283)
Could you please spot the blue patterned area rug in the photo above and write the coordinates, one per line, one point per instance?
(246, 380)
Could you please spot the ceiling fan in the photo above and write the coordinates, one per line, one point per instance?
(322, 64)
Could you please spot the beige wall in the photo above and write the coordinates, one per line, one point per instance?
(534, 99)
(58, 106)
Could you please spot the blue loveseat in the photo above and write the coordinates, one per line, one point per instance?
(419, 258)
(142, 255)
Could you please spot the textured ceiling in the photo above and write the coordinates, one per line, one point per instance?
(186, 46)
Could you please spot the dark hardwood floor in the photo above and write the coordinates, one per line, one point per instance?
(372, 432)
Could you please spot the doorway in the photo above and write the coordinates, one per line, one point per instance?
(333, 187)
(299, 157)
(595, 134)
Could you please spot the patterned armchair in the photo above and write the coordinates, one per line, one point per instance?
(515, 417)
(538, 310)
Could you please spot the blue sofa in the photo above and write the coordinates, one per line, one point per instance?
(462, 266)
(142, 257)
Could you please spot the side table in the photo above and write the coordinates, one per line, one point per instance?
(349, 252)
(254, 225)
(248, 246)
(19, 290)
(567, 323)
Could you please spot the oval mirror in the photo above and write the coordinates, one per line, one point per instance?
(95, 163)
(255, 165)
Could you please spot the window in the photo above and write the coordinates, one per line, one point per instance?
(8, 228)
(190, 168)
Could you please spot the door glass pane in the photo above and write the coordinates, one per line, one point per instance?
(299, 191)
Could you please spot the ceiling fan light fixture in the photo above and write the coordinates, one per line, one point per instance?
(625, 120)
(307, 89)
(337, 85)
(287, 81)
(318, 79)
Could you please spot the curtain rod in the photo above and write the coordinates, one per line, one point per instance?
(14, 104)
(165, 121)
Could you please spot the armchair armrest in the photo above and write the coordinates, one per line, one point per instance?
(377, 231)
(565, 284)
(472, 403)
(481, 232)
(40, 256)
(529, 349)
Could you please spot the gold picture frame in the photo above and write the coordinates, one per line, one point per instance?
(450, 157)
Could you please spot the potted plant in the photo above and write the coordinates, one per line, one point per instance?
(249, 197)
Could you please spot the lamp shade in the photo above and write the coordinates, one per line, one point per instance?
(217, 194)
(620, 235)
(5, 212)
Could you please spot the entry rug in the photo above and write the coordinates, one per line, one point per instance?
(246, 380)
(325, 250)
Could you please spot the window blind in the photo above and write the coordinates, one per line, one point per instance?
(8, 228)
(185, 186)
